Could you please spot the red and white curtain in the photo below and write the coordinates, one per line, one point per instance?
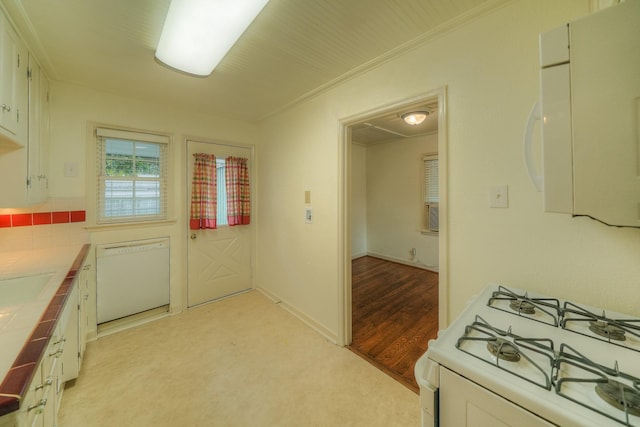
(238, 192)
(203, 192)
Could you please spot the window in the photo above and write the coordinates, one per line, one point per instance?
(431, 191)
(131, 176)
(221, 194)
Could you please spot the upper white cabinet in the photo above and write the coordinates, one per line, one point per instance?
(13, 85)
(590, 105)
(24, 123)
(39, 131)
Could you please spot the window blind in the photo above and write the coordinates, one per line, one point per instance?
(431, 185)
(132, 170)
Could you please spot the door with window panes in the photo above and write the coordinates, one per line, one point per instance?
(219, 260)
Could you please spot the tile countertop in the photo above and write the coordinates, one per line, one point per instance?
(25, 329)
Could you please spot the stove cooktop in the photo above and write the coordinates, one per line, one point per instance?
(568, 362)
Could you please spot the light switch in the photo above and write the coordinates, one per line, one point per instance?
(308, 215)
(307, 197)
(499, 197)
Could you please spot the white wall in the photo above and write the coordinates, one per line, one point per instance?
(395, 210)
(74, 107)
(490, 69)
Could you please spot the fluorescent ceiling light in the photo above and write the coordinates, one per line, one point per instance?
(415, 117)
(197, 34)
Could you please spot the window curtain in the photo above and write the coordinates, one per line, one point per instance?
(203, 192)
(238, 194)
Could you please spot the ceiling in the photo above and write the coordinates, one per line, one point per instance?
(292, 50)
(390, 126)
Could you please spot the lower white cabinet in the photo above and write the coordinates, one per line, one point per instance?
(59, 363)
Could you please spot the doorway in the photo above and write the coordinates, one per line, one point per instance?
(219, 261)
(347, 205)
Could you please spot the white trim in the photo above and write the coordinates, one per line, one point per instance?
(132, 135)
(321, 329)
(125, 225)
(344, 208)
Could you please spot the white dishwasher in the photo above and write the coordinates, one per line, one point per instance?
(132, 277)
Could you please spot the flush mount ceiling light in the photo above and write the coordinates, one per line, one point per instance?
(197, 34)
(415, 117)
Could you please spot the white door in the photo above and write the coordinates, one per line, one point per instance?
(219, 260)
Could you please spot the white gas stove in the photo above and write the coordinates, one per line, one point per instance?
(517, 358)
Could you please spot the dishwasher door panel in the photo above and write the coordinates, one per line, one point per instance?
(132, 277)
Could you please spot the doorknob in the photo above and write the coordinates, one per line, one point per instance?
(193, 236)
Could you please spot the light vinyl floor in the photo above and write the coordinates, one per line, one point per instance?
(242, 361)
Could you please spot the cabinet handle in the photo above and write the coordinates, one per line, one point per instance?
(60, 341)
(40, 405)
(47, 383)
(56, 353)
(6, 108)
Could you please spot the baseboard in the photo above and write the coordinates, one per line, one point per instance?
(358, 255)
(322, 330)
(418, 264)
(132, 321)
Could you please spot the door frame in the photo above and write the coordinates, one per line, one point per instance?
(186, 206)
(344, 209)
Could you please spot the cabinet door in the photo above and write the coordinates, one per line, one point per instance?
(83, 314)
(463, 403)
(605, 85)
(38, 149)
(69, 321)
(13, 84)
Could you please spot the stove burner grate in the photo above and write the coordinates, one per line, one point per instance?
(617, 331)
(543, 310)
(606, 330)
(572, 367)
(620, 396)
(503, 349)
(530, 359)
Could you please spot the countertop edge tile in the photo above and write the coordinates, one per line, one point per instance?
(17, 381)
(8, 404)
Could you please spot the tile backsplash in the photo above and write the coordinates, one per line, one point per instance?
(58, 222)
(41, 218)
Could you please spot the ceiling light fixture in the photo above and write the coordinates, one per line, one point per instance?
(197, 34)
(415, 117)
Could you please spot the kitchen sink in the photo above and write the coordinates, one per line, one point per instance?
(19, 290)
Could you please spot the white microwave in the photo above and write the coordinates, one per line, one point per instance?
(590, 111)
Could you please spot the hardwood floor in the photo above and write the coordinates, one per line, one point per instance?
(394, 315)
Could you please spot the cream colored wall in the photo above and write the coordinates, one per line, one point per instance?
(74, 107)
(490, 69)
(358, 200)
(395, 211)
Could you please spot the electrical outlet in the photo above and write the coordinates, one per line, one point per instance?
(308, 215)
(499, 197)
